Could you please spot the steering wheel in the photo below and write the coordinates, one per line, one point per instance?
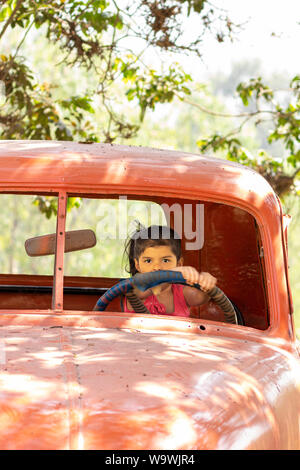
(147, 280)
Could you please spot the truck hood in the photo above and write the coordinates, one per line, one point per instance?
(72, 387)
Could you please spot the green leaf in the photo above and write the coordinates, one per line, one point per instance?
(5, 13)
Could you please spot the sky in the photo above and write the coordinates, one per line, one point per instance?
(263, 17)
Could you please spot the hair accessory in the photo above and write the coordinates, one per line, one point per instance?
(139, 225)
(137, 228)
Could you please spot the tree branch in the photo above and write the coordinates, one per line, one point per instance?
(218, 114)
(10, 18)
(296, 173)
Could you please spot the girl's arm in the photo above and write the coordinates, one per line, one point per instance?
(192, 295)
(192, 276)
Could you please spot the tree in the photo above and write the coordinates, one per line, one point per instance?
(113, 42)
(109, 40)
(282, 115)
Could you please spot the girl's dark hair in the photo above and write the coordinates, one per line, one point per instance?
(154, 235)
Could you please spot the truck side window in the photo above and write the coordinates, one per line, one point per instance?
(21, 219)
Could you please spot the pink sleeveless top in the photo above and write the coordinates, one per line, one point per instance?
(156, 308)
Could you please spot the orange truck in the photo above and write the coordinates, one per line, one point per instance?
(76, 377)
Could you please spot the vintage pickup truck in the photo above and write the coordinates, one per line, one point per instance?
(72, 377)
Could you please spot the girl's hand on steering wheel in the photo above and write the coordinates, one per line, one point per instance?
(192, 276)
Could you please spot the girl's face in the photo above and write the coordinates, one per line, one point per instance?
(155, 258)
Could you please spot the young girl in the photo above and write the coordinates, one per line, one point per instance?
(159, 248)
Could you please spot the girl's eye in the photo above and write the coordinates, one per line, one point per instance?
(147, 261)
(166, 260)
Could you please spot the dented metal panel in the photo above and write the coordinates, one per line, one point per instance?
(86, 387)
